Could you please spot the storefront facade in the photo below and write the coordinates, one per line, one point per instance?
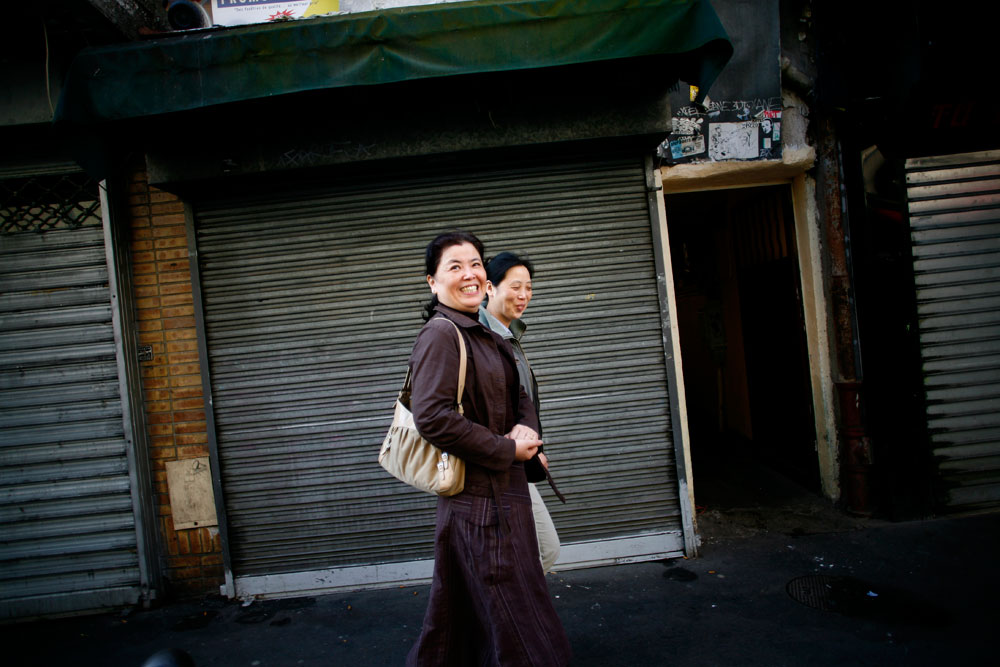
(311, 300)
(276, 281)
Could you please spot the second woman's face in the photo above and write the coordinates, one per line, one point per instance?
(510, 298)
(460, 280)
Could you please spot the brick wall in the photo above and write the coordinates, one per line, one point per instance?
(172, 392)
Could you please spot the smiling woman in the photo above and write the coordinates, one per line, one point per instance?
(460, 278)
(510, 290)
(510, 294)
(489, 604)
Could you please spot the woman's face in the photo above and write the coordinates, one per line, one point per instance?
(460, 280)
(511, 297)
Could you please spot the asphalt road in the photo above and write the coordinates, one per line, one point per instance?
(911, 593)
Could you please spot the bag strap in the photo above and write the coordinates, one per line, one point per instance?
(461, 364)
(552, 483)
(404, 393)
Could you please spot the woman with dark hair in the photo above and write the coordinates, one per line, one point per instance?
(509, 290)
(489, 604)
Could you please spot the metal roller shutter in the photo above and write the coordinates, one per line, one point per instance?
(66, 508)
(312, 299)
(954, 205)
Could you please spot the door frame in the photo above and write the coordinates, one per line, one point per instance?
(815, 301)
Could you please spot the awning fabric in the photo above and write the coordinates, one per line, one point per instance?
(220, 66)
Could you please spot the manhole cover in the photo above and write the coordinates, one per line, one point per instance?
(829, 593)
(853, 597)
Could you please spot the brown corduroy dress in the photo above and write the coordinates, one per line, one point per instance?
(489, 602)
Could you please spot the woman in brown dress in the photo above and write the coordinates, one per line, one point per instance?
(489, 603)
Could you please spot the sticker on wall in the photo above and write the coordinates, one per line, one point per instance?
(748, 129)
(686, 126)
(687, 146)
(734, 141)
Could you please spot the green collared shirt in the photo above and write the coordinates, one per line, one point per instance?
(513, 335)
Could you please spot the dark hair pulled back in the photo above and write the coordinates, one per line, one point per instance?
(432, 258)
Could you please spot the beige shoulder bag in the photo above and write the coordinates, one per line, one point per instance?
(409, 457)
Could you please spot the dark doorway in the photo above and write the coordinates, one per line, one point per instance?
(743, 345)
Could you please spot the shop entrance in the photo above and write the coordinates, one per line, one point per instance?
(743, 345)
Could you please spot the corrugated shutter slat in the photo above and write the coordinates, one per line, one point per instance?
(954, 204)
(312, 300)
(65, 499)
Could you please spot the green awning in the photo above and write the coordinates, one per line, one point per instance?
(220, 66)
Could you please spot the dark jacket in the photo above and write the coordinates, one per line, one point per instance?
(493, 401)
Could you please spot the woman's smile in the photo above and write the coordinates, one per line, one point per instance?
(460, 280)
(509, 299)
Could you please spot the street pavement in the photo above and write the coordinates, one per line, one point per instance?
(910, 593)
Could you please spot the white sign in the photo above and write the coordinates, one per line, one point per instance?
(192, 502)
(242, 12)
